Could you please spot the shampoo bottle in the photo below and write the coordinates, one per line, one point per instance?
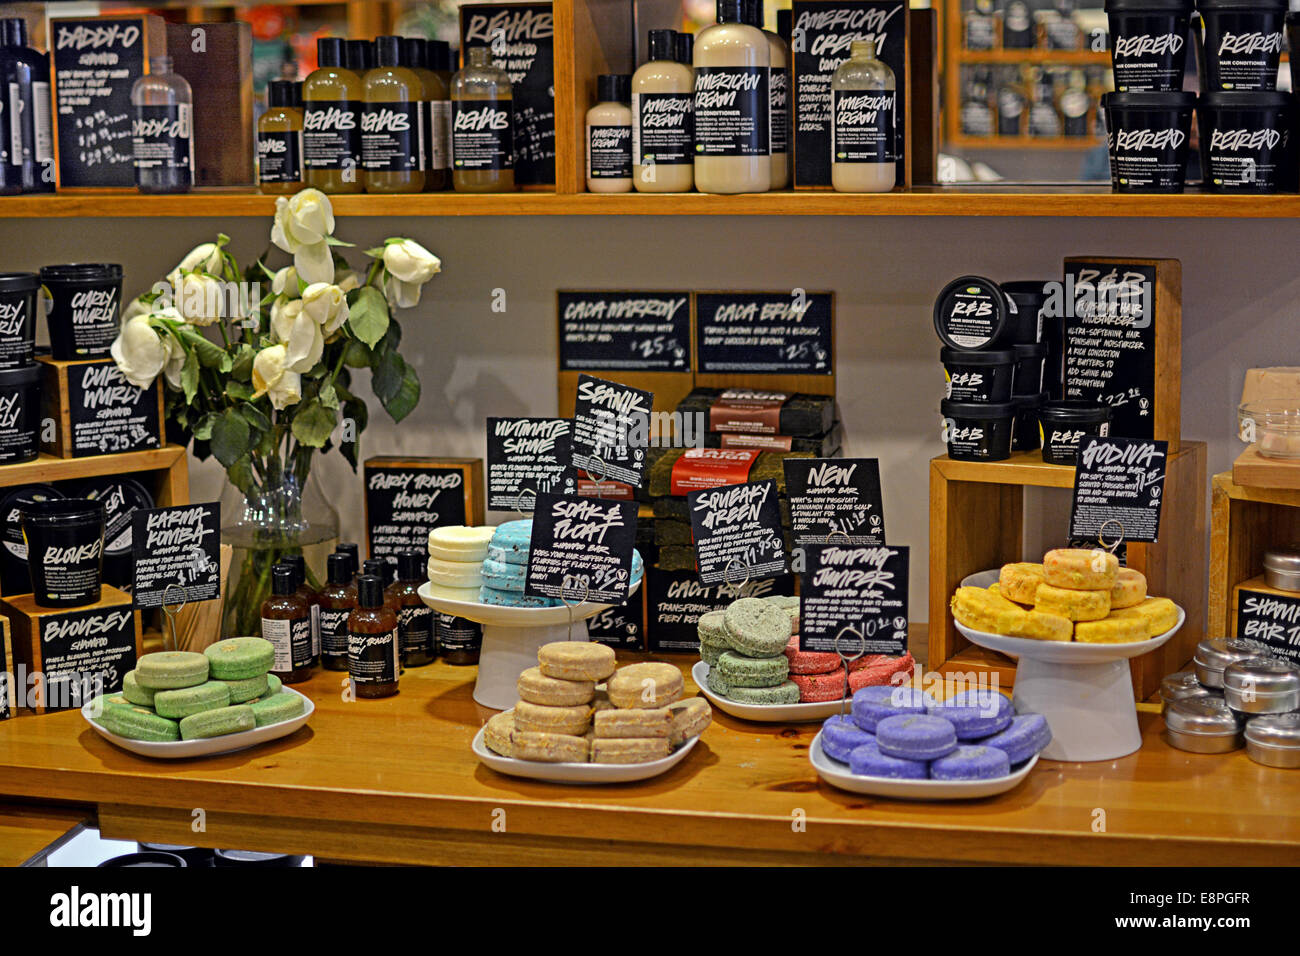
(331, 122)
(482, 127)
(391, 147)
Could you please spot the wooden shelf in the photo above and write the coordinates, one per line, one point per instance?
(1044, 57)
(48, 468)
(1079, 143)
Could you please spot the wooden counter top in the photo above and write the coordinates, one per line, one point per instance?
(395, 780)
(27, 829)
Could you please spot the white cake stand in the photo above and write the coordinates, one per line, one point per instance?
(511, 637)
(1084, 690)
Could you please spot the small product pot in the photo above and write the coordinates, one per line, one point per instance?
(1282, 569)
(14, 578)
(151, 858)
(1025, 435)
(1030, 297)
(1242, 43)
(65, 547)
(1147, 134)
(1215, 654)
(1181, 686)
(1245, 141)
(978, 376)
(1063, 424)
(84, 302)
(1262, 685)
(1202, 725)
(192, 855)
(977, 432)
(122, 498)
(1148, 44)
(1274, 740)
(1029, 368)
(251, 858)
(18, 318)
(974, 313)
(20, 414)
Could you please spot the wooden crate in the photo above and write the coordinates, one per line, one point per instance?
(1245, 522)
(77, 420)
(1254, 470)
(977, 523)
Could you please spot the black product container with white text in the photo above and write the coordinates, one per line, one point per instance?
(1148, 44)
(1147, 136)
(1245, 141)
(65, 550)
(82, 312)
(1241, 44)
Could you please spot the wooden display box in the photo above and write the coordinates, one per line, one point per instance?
(8, 703)
(100, 641)
(1253, 470)
(1245, 522)
(977, 523)
(84, 401)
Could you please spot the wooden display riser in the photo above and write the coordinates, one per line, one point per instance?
(1245, 522)
(977, 523)
(1253, 470)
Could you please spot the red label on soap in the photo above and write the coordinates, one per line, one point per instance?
(609, 489)
(700, 469)
(748, 411)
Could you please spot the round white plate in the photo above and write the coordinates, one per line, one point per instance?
(579, 773)
(495, 616)
(763, 713)
(208, 746)
(837, 775)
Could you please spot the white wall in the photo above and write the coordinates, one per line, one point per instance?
(1240, 288)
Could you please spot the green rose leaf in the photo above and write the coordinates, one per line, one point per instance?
(313, 423)
(255, 417)
(230, 437)
(328, 397)
(386, 377)
(190, 376)
(239, 391)
(242, 367)
(210, 354)
(241, 474)
(376, 253)
(203, 430)
(367, 314)
(407, 396)
(332, 241)
(356, 355)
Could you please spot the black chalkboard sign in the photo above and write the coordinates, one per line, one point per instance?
(864, 587)
(822, 34)
(676, 600)
(85, 653)
(1272, 619)
(767, 332)
(737, 532)
(108, 414)
(96, 62)
(179, 545)
(526, 456)
(1118, 480)
(521, 36)
(839, 496)
(610, 429)
(1110, 342)
(581, 549)
(622, 626)
(625, 331)
(406, 498)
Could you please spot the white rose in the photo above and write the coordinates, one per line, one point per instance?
(298, 332)
(205, 257)
(175, 362)
(301, 226)
(403, 295)
(285, 282)
(327, 305)
(200, 299)
(346, 280)
(139, 352)
(273, 378)
(409, 261)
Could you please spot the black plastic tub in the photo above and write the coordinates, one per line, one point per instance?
(1241, 44)
(976, 432)
(20, 414)
(153, 858)
(251, 858)
(18, 318)
(1148, 44)
(1245, 144)
(14, 578)
(1146, 134)
(1065, 423)
(1029, 369)
(192, 855)
(65, 550)
(978, 376)
(85, 299)
(1029, 296)
(1024, 429)
(973, 312)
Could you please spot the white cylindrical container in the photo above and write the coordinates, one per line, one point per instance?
(609, 136)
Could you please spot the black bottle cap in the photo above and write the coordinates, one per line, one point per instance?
(339, 566)
(731, 11)
(785, 24)
(685, 48)
(439, 55)
(352, 549)
(415, 53)
(329, 51)
(284, 579)
(370, 591)
(613, 88)
(411, 566)
(360, 55)
(388, 51)
(663, 44)
(14, 32)
(379, 567)
(299, 565)
(752, 13)
(283, 93)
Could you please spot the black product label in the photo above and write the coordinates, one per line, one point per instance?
(1145, 153)
(373, 658)
(611, 429)
(835, 496)
(482, 134)
(279, 156)
(525, 457)
(864, 126)
(864, 588)
(177, 546)
(403, 504)
(69, 566)
(732, 111)
(108, 414)
(161, 137)
(85, 654)
(1119, 485)
(768, 332)
(331, 134)
(415, 629)
(625, 331)
(779, 96)
(1245, 154)
(20, 421)
(334, 631)
(1149, 51)
(622, 626)
(581, 549)
(1271, 619)
(609, 152)
(737, 532)
(392, 137)
(663, 129)
(1242, 48)
(455, 634)
(969, 314)
(17, 309)
(292, 641)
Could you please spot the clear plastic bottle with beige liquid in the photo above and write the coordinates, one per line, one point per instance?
(663, 95)
(482, 126)
(609, 136)
(863, 100)
(732, 107)
(778, 91)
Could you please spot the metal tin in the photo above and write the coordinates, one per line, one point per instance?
(1274, 740)
(1262, 685)
(1202, 725)
(1181, 686)
(1282, 568)
(1214, 655)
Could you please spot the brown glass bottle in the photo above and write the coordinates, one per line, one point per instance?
(439, 62)
(372, 642)
(390, 123)
(415, 633)
(337, 599)
(436, 94)
(286, 623)
(331, 101)
(482, 127)
(310, 596)
(279, 139)
(385, 570)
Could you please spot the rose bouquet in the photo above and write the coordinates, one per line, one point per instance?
(263, 382)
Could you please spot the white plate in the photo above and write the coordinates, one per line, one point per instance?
(494, 615)
(763, 713)
(208, 746)
(579, 773)
(838, 775)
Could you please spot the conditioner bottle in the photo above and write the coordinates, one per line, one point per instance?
(662, 132)
(778, 96)
(609, 136)
(732, 133)
(863, 153)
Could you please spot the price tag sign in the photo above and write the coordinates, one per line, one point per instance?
(737, 527)
(527, 456)
(611, 425)
(584, 541)
(765, 332)
(1272, 619)
(865, 587)
(839, 496)
(180, 546)
(625, 331)
(1118, 479)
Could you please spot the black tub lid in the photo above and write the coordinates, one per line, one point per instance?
(1072, 410)
(82, 270)
(1028, 401)
(951, 356)
(979, 411)
(1241, 5)
(1030, 350)
(1245, 99)
(970, 286)
(1028, 288)
(1149, 101)
(17, 377)
(1140, 6)
(19, 281)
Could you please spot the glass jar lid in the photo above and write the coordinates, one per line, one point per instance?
(1209, 716)
(1264, 675)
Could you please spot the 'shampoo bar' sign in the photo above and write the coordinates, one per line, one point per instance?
(1272, 619)
(85, 653)
(765, 332)
(581, 549)
(835, 496)
(525, 457)
(406, 498)
(611, 429)
(737, 532)
(1119, 486)
(862, 587)
(108, 414)
(625, 331)
(177, 546)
